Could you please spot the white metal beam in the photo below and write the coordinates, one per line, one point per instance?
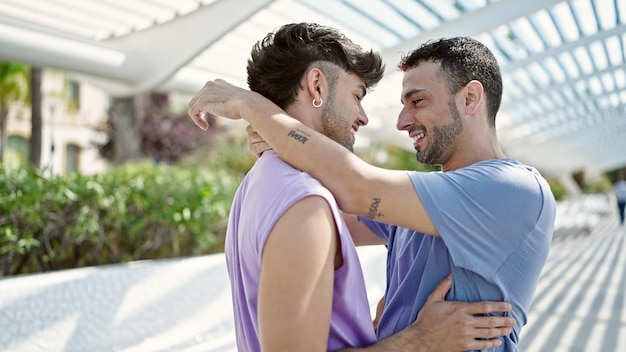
(470, 24)
(134, 63)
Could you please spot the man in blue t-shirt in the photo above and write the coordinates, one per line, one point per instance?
(486, 218)
(494, 220)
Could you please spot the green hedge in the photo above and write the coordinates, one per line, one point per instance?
(137, 211)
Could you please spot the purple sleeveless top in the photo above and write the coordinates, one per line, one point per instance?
(267, 191)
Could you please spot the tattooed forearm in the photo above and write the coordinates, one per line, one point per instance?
(373, 211)
(299, 135)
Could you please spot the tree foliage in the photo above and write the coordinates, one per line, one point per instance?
(14, 87)
(164, 136)
(136, 211)
(14, 82)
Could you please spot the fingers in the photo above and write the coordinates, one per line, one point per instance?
(491, 333)
(197, 116)
(196, 108)
(482, 339)
(219, 98)
(258, 148)
(483, 315)
(440, 292)
(196, 112)
(200, 120)
(483, 344)
(250, 130)
(487, 307)
(256, 143)
(492, 322)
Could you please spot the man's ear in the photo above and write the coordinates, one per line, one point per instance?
(316, 83)
(473, 96)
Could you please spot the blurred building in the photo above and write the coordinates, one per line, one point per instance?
(73, 118)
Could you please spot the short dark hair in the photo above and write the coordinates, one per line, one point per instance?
(462, 59)
(279, 60)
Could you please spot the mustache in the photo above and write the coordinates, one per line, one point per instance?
(417, 128)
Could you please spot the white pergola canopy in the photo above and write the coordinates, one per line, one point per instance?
(563, 62)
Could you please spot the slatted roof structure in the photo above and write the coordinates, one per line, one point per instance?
(563, 62)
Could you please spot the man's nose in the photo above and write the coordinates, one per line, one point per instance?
(405, 120)
(362, 118)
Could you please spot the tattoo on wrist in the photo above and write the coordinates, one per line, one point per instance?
(373, 211)
(299, 135)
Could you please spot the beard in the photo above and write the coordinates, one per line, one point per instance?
(335, 126)
(442, 138)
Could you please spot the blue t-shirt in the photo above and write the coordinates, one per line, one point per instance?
(495, 219)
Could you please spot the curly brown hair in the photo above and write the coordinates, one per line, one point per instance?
(279, 60)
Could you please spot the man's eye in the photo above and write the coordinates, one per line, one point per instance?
(416, 101)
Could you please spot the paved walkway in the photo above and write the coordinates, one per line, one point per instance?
(184, 304)
(579, 303)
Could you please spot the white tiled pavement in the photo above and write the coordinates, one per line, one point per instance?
(184, 304)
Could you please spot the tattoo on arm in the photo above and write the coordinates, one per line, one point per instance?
(373, 211)
(299, 135)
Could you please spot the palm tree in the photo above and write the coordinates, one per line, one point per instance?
(36, 119)
(14, 79)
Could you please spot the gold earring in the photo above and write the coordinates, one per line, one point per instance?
(320, 104)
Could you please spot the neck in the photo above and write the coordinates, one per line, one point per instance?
(473, 153)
